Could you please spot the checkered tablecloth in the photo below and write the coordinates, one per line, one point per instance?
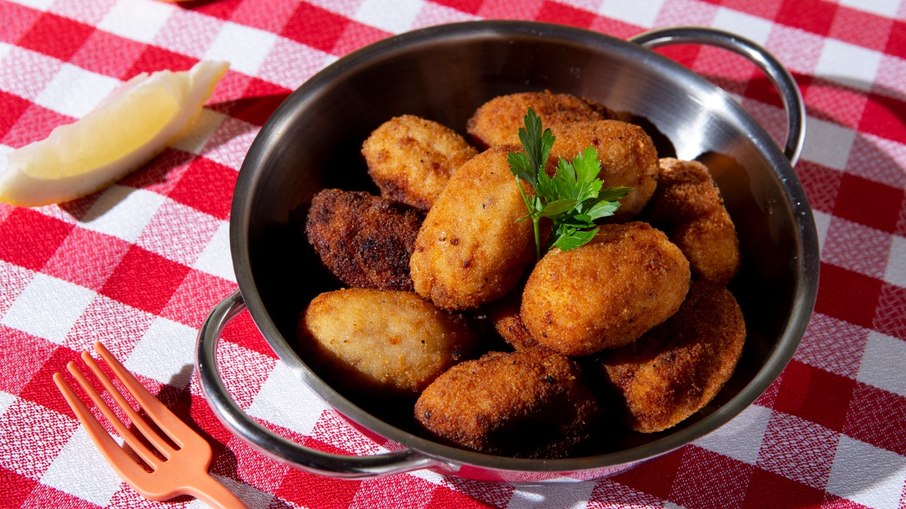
(140, 265)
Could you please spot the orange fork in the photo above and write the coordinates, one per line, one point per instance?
(178, 464)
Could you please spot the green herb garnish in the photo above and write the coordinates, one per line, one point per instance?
(573, 198)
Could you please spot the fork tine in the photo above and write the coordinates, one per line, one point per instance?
(125, 466)
(128, 435)
(166, 420)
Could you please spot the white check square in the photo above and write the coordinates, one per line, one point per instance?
(286, 401)
(740, 438)
(827, 143)
(6, 400)
(139, 20)
(73, 91)
(751, 27)
(81, 471)
(48, 308)
(882, 363)
(245, 48)
(643, 14)
(122, 212)
(849, 64)
(397, 19)
(895, 273)
(867, 475)
(216, 258)
(165, 353)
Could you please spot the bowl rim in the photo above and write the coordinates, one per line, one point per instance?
(804, 294)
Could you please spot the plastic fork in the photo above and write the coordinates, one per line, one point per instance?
(175, 463)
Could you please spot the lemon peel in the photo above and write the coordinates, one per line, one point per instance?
(125, 130)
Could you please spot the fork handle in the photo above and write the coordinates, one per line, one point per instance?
(207, 489)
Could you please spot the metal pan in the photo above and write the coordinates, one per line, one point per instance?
(444, 73)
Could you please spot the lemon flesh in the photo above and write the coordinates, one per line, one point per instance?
(124, 131)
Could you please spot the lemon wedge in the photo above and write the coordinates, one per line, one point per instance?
(125, 130)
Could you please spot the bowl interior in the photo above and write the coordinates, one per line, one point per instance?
(444, 73)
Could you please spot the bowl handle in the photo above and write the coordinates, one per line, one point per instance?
(265, 441)
(776, 72)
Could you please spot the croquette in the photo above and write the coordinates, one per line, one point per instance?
(497, 121)
(688, 206)
(677, 368)
(364, 240)
(607, 293)
(383, 341)
(472, 247)
(411, 158)
(628, 158)
(527, 403)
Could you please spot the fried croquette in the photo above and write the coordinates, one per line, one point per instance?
(472, 247)
(411, 158)
(607, 293)
(527, 403)
(497, 121)
(364, 240)
(504, 316)
(628, 158)
(676, 369)
(688, 205)
(379, 341)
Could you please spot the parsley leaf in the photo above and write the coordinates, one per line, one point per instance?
(573, 198)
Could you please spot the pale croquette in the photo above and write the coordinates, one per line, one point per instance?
(411, 158)
(380, 341)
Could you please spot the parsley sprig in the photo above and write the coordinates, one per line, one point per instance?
(572, 199)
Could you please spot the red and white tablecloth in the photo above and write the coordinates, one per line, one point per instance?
(141, 264)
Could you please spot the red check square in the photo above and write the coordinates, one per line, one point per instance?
(870, 203)
(311, 490)
(16, 488)
(883, 116)
(207, 186)
(767, 489)
(708, 479)
(31, 238)
(469, 6)
(259, 101)
(154, 59)
(847, 295)
(12, 107)
(41, 388)
(330, 27)
(896, 42)
(810, 15)
(145, 280)
(56, 36)
(553, 12)
(655, 476)
(35, 123)
(877, 417)
(814, 394)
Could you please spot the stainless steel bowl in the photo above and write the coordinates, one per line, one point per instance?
(444, 73)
